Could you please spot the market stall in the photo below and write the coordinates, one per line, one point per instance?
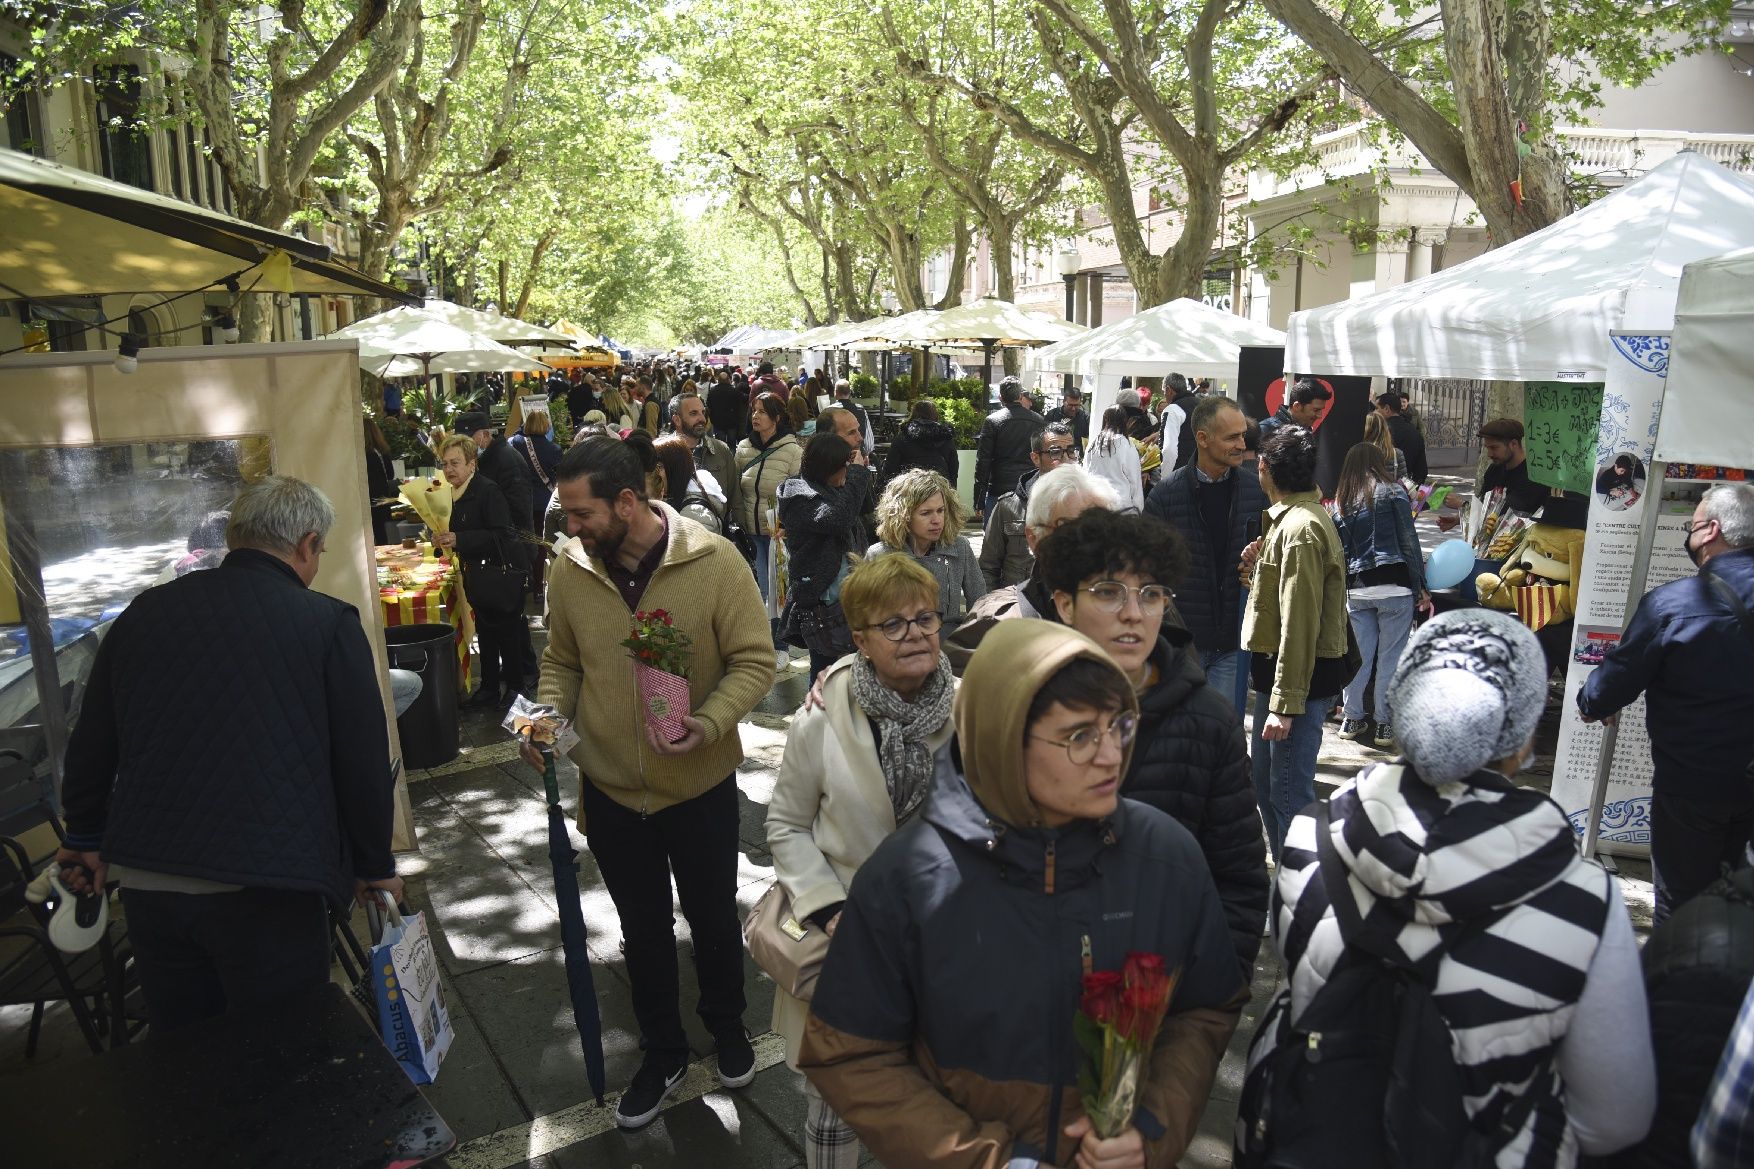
(418, 588)
(1581, 313)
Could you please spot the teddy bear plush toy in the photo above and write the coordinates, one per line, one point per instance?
(1539, 579)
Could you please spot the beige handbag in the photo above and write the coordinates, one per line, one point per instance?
(788, 951)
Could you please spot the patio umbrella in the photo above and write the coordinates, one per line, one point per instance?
(992, 323)
(497, 326)
(407, 341)
(581, 988)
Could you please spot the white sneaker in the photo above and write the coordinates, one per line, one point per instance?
(782, 661)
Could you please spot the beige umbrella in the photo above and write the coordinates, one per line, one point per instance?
(506, 330)
(408, 341)
(992, 323)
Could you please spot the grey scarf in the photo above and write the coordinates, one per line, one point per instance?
(902, 730)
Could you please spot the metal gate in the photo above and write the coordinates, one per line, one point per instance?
(1450, 412)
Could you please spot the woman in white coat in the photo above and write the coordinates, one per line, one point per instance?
(1114, 459)
(855, 769)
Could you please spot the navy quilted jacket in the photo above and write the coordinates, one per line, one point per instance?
(233, 730)
(1191, 761)
(1210, 599)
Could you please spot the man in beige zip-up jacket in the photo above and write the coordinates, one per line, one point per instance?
(651, 810)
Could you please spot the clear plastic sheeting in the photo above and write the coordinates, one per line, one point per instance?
(90, 528)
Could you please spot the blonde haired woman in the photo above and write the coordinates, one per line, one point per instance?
(920, 514)
(855, 768)
(1376, 433)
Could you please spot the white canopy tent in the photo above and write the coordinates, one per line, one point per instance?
(1542, 306)
(1184, 335)
(1705, 417)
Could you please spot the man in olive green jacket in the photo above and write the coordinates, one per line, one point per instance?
(1296, 626)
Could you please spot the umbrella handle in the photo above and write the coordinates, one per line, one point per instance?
(550, 783)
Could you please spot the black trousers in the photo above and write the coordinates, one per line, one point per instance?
(507, 657)
(696, 843)
(202, 954)
(1690, 843)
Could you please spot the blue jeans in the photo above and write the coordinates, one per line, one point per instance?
(1227, 674)
(762, 544)
(1284, 770)
(1381, 626)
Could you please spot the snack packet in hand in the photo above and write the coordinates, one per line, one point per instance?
(547, 727)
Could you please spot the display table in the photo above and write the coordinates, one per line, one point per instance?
(415, 591)
(306, 1084)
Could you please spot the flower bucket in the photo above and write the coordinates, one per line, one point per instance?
(665, 698)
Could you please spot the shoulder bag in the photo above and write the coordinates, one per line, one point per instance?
(498, 588)
(787, 950)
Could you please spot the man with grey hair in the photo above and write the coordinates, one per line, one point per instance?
(841, 421)
(1063, 493)
(1007, 550)
(231, 768)
(1689, 649)
(688, 418)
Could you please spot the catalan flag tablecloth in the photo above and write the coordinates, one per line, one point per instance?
(415, 591)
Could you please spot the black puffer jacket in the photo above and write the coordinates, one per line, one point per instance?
(923, 443)
(1697, 966)
(506, 467)
(1002, 450)
(1191, 761)
(233, 730)
(821, 526)
(1210, 599)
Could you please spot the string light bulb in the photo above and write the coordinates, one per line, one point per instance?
(226, 327)
(128, 353)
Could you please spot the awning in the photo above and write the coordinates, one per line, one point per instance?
(71, 233)
(1711, 380)
(1183, 335)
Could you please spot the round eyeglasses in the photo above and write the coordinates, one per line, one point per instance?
(895, 629)
(1110, 596)
(1083, 744)
(1059, 454)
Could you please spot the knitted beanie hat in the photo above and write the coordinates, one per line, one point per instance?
(1469, 690)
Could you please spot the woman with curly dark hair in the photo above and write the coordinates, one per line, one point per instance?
(1111, 577)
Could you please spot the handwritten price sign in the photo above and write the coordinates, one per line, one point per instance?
(1562, 419)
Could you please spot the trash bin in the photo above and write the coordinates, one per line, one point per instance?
(429, 727)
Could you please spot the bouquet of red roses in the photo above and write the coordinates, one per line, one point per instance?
(1117, 1023)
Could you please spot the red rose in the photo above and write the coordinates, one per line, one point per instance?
(1102, 996)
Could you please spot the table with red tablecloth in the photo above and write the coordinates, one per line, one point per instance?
(413, 590)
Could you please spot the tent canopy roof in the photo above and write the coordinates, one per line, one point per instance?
(1542, 305)
(70, 233)
(1183, 335)
(989, 319)
(1710, 380)
(506, 330)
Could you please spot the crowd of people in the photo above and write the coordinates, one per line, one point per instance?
(1015, 769)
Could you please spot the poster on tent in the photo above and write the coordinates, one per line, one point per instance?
(1620, 503)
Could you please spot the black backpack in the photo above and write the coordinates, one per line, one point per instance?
(1366, 1078)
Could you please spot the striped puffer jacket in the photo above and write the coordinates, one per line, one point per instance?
(1423, 860)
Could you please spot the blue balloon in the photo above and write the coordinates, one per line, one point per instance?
(1449, 564)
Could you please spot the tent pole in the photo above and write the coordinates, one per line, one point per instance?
(1635, 590)
(987, 365)
(33, 605)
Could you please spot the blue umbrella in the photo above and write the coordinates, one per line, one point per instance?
(579, 983)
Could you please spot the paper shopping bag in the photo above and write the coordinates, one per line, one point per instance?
(412, 1019)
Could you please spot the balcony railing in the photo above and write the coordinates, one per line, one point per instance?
(1603, 153)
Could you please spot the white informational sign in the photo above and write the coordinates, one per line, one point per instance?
(1632, 401)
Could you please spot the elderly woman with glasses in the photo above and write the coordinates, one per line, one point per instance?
(855, 768)
(942, 1028)
(1110, 577)
(921, 517)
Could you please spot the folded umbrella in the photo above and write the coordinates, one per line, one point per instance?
(579, 983)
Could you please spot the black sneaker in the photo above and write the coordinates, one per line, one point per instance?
(1384, 739)
(1353, 729)
(736, 1059)
(652, 1084)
